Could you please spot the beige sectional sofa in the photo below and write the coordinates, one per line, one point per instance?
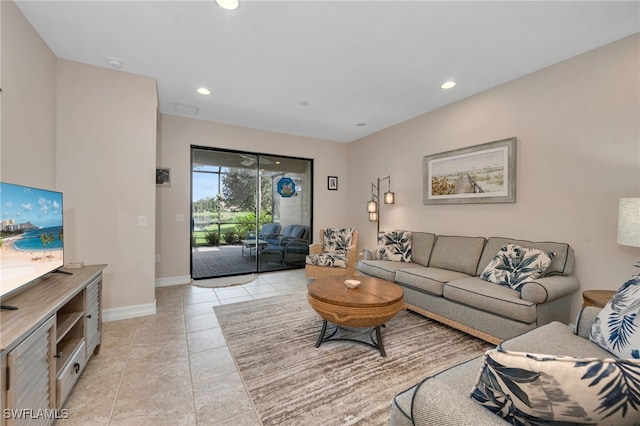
(443, 282)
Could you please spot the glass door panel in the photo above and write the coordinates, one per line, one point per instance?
(223, 213)
(286, 194)
(250, 212)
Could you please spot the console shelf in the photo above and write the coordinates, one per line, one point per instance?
(65, 323)
(46, 343)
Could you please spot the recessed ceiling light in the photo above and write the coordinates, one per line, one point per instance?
(203, 91)
(228, 4)
(114, 62)
(448, 84)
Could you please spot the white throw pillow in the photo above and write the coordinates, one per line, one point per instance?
(514, 266)
(617, 327)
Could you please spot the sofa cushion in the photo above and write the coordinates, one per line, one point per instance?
(617, 326)
(329, 259)
(459, 254)
(526, 388)
(337, 240)
(428, 279)
(513, 266)
(492, 298)
(383, 269)
(394, 245)
(562, 262)
(421, 247)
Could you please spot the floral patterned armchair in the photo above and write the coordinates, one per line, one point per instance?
(335, 255)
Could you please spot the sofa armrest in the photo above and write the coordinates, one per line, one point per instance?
(549, 288)
(435, 402)
(584, 321)
(368, 254)
(315, 249)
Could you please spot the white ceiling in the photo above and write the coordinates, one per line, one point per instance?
(373, 62)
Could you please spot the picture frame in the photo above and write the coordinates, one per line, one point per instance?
(484, 173)
(332, 183)
(163, 176)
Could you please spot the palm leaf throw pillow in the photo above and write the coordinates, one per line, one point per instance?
(535, 389)
(394, 245)
(617, 327)
(514, 266)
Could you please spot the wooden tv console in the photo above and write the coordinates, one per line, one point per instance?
(46, 343)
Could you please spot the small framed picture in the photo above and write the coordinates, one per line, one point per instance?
(332, 183)
(163, 177)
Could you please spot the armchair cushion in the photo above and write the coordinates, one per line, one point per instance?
(525, 388)
(269, 228)
(337, 240)
(328, 259)
(617, 327)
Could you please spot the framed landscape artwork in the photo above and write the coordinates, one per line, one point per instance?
(484, 173)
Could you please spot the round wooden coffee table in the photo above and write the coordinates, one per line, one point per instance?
(371, 304)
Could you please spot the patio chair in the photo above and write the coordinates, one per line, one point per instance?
(290, 232)
(268, 230)
(335, 255)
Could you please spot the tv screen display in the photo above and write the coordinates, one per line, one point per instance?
(32, 237)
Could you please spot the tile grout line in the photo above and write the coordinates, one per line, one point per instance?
(126, 364)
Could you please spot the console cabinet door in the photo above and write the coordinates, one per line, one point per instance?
(31, 370)
(93, 323)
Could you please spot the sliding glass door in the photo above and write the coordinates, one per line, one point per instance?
(250, 212)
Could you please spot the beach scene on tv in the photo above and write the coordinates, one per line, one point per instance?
(31, 238)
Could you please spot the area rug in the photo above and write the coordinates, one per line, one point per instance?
(291, 382)
(225, 281)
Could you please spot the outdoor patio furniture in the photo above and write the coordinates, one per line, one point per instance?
(289, 233)
(270, 230)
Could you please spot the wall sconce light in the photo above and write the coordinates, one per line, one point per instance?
(388, 198)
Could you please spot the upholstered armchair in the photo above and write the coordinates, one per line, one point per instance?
(335, 255)
(267, 230)
(289, 233)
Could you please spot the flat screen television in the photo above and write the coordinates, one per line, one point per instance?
(32, 235)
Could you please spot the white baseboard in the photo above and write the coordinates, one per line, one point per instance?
(126, 312)
(169, 281)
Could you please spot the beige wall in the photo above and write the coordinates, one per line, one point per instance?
(177, 134)
(27, 138)
(577, 125)
(105, 168)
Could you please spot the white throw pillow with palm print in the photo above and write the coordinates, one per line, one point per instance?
(394, 245)
(514, 266)
(617, 327)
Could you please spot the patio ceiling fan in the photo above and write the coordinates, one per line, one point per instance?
(250, 160)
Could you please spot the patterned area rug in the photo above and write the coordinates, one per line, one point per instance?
(340, 383)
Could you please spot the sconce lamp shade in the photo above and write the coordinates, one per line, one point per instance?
(372, 206)
(373, 216)
(389, 197)
(629, 222)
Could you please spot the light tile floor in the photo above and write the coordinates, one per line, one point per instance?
(172, 368)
